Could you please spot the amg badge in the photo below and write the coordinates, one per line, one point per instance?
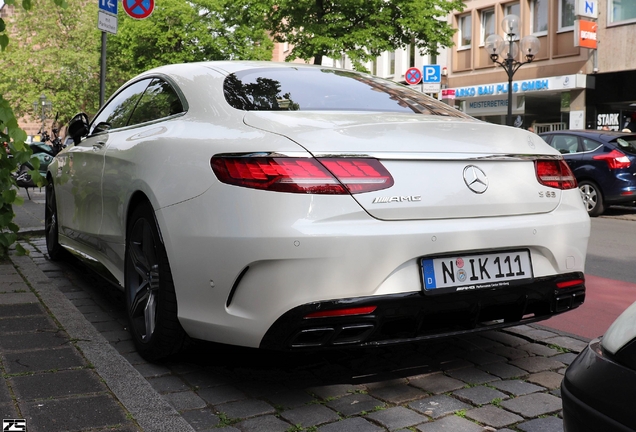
(382, 200)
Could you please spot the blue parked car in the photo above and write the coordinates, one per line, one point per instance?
(603, 162)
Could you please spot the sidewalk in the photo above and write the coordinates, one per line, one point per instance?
(69, 364)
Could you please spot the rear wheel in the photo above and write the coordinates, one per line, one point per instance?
(55, 250)
(592, 198)
(150, 296)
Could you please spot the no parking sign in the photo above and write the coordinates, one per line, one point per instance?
(139, 9)
(413, 76)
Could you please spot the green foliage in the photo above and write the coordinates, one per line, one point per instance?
(179, 32)
(361, 29)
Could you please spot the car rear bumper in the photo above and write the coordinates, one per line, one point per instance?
(410, 317)
(598, 394)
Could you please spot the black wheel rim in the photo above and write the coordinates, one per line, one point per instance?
(142, 280)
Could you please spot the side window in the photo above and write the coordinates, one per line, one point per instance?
(118, 110)
(565, 144)
(589, 145)
(158, 101)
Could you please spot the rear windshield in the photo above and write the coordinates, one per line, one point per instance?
(317, 89)
(626, 144)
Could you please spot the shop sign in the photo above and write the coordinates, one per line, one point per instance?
(611, 120)
(585, 34)
(551, 84)
(587, 8)
(491, 106)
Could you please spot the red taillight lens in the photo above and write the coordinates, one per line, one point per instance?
(570, 283)
(342, 312)
(303, 175)
(555, 173)
(615, 159)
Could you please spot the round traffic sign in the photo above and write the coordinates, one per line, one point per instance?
(139, 9)
(413, 76)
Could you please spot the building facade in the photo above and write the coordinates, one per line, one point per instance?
(565, 86)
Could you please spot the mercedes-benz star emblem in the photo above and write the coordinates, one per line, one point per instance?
(475, 179)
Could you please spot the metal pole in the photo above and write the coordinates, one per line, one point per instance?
(102, 73)
(510, 72)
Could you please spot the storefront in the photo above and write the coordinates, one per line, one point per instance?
(612, 102)
(544, 101)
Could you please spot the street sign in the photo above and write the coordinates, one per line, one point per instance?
(109, 6)
(586, 8)
(139, 9)
(585, 34)
(413, 76)
(107, 22)
(431, 74)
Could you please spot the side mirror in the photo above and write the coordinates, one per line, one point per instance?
(101, 127)
(78, 127)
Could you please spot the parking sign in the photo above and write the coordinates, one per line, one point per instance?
(431, 78)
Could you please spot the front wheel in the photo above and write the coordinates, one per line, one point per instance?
(151, 301)
(592, 198)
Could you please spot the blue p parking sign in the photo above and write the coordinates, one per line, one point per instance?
(431, 74)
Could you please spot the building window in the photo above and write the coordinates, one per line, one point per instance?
(374, 67)
(621, 10)
(285, 47)
(566, 15)
(487, 24)
(392, 63)
(465, 31)
(539, 17)
(512, 9)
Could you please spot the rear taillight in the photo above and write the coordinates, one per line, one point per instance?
(555, 173)
(615, 159)
(334, 176)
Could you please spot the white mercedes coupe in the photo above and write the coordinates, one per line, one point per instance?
(293, 207)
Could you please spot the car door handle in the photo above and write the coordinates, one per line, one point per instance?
(98, 145)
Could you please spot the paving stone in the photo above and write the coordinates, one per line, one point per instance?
(540, 335)
(43, 360)
(505, 338)
(503, 370)
(11, 296)
(386, 383)
(71, 414)
(5, 396)
(290, 399)
(474, 342)
(168, 384)
(479, 395)
(472, 375)
(437, 383)
(20, 310)
(455, 364)
(149, 370)
(263, 424)
(332, 391)
(450, 423)
(201, 419)
(517, 387)
(438, 406)
(205, 378)
(397, 418)
(550, 380)
(537, 364)
(547, 424)
(539, 349)
(310, 415)
(397, 394)
(246, 408)
(221, 394)
(8, 411)
(568, 343)
(31, 341)
(483, 357)
(355, 424)
(492, 416)
(533, 405)
(509, 352)
(187, 400)
(52, 385)
(355, 404)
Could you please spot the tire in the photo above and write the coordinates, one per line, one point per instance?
(55, 250)
(151, 302)
(592, 198)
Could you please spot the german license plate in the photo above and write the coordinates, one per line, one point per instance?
(478, 271)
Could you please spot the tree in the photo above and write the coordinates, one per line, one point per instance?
(361, 29)
(178, 32)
